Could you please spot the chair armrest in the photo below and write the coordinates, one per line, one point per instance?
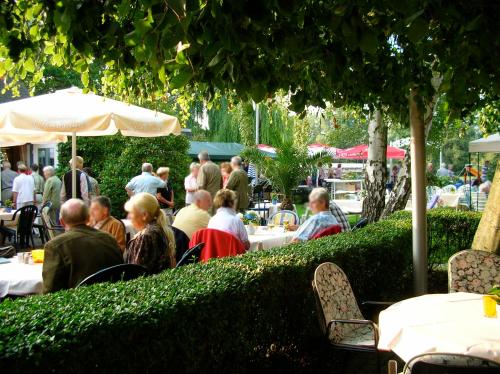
(356, 322)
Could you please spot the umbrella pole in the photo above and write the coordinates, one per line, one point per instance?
(73, 165)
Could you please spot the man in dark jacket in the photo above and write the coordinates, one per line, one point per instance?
(79, 252)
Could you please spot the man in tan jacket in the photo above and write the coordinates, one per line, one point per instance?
(101, 219)
(209, 176)
(238, 182)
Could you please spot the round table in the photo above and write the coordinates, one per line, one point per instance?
(265, 238)
(20, 279)
(451, 323)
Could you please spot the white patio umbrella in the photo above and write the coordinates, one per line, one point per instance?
(72, 112)
(15, 140)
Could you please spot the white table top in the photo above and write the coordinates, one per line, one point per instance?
(6, 216)
(20, 279)
(449, 199)
(451, 323)
(265, 238)
(350, 206)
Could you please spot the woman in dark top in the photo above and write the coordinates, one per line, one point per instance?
(165, 195)
(154, 244)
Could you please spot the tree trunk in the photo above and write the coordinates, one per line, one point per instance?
(376, 168)
(487, 236)
(401, 191)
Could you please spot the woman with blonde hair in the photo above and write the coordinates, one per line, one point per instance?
(226, 218)
(154, 244)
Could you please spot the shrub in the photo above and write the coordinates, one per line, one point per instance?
(448, 229)
(228, 315)
(116, 159)
(168, 151)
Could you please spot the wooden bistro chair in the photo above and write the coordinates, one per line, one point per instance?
(23, 232)
(339, 315)
(473, 271)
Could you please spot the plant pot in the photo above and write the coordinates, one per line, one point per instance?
(8, 210)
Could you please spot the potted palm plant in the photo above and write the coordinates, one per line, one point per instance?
(287, 169)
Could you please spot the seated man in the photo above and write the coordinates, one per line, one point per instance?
(195, 216)
(79, 252)
(319, 203)
(101, 219)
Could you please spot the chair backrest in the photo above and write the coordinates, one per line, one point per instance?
(450, 189)
(448, 363)
(217, 244)
(360, 224)
(283, 215)
(51, 229)
(473, 271)
(332, 230)
(122, 272)
(335, 300)
(432, 191)
(181, 242)
(478, 201)
(433, 202)
(191, 256)
(25, 222)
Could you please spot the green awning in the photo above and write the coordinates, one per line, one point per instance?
(217, 151)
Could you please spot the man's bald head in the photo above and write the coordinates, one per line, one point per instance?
(203, 199)
(74, 212)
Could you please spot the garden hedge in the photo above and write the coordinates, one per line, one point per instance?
(228, 315)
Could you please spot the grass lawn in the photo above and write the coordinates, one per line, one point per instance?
(353, 218)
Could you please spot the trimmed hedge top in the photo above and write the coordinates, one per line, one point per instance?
(225, 315)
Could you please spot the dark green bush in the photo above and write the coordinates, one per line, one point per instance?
(228, 315)
(116, 159)
(448, 229)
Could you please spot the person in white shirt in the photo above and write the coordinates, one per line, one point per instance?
(146, 182)
(23, 188)
(226, 218)
(190, 182)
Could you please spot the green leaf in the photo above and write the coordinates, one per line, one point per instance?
(181, 79)
(29, 65)
(217, 58)
(417, 30)
(369, 42)
(161, 74)
(85, 78)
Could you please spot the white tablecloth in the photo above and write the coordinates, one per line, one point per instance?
(350, 206)
(451, 323)
(20, 279)
(449, 199)
(265, 239)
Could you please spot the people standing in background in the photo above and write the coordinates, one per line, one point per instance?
(238, 182)
(190, 183)
(52, 193)
(430, 168)
(225, 170)
(39, 183)
(251, 173)
(338, 172)
(82, 183)
(393, 177)
(485, 170)
(146, 182)
(23, 188)
(451, 174)
(8, 176)
(209, 176)
(94, 185)
(165, 195)
(442, 171)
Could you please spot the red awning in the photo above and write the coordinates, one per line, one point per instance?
(360, 152)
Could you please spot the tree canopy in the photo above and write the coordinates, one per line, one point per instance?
(338, 51)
